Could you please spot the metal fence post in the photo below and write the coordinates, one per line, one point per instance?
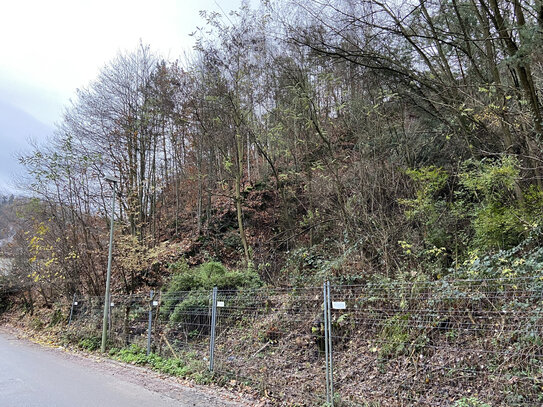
(326, 339)
(213, 326)
(149, 327)
(330, 343)
(71, 310)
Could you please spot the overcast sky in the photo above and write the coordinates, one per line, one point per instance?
(50, 48)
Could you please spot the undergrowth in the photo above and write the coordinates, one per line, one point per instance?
(470, 402)
(188, 368)
(189, 287)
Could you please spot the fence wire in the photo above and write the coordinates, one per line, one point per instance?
(443, 343)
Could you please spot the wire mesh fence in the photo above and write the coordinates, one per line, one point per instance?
(442, 343)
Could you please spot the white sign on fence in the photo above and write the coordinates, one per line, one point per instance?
(220, 303)
(339, 305)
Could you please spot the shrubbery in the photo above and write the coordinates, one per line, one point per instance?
(480, 208)
(189, 288)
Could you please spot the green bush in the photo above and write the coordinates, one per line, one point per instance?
(481, 207)
(497, 226)
(189, 288)
(502, 214)
(133, 354)
(91, 343)
(394, 336)
(430, 205)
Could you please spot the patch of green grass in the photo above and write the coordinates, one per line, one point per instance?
(91, 343)
(176, 367)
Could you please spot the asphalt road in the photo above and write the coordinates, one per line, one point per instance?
(34, 376)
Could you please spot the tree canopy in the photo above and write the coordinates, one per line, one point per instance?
(341, 137)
